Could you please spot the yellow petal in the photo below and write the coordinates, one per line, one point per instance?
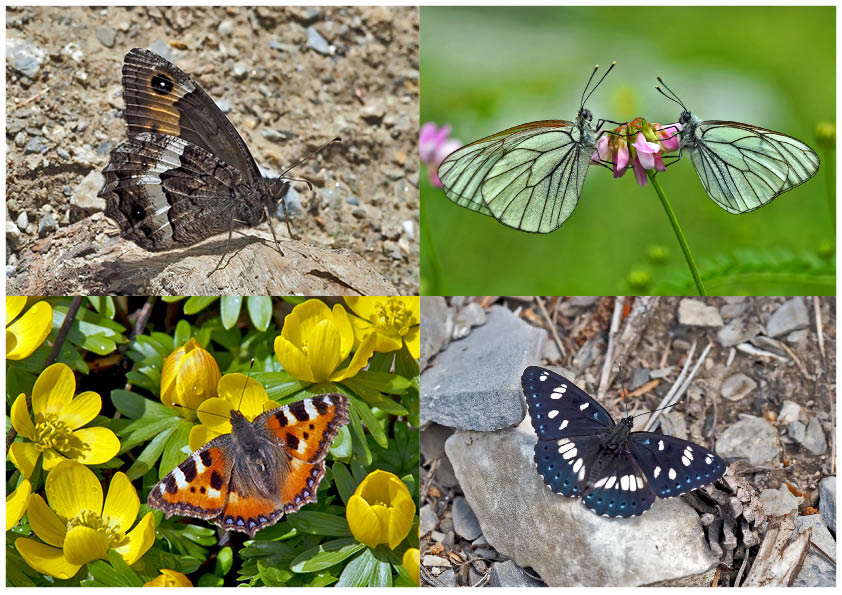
(29, 331)
(24, 455)
(412, 562)
(169, 578)
(20, 418)
(17, 502)
(121, 503)
(199, 436)
(361, 328)
(293, 359)
(386, 343)
(141, 538)
(73, 488)
(413, 305)
(244, 394)
(360, 359)
(46, 524)
(81, 410)
(51, 459)
(342, 322)
(215, 413)
(14, 306)
(363, 522)
(413, 341)
(45, 559)
(324, 350)
(299, 324)
(83, 544)
(100, 446)
(400, 519)
(363, 306)
(54, 389)
(197, 377)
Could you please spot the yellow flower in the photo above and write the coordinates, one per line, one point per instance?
(395, 321)
(17, 502)
(381, 510)
(237, 392)
(169, 578)
(189, 376)
(58, 415)
(77, 527)
(315, 340)
(412, 562)
(24, 335)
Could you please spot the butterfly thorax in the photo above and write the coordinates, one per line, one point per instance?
(256, 456)
(688, 122)
(616, 440)
(587, 135)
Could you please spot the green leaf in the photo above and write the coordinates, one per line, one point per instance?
(371, 422)
(358, 437)
(321, 579)
(362, 571)
(260, 311)
(345, 482)
(279, 385)
(210, 580)
(176, 448)
(383, 382)
(271, 576)
(182, 334)
(130, 404)
(117, 574)
(149, 455)
(342, 446)
(320, 523)
(224, 561)
(196, 304)
(325, 555)
(229, 310)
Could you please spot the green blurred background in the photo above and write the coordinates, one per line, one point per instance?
(485, 69)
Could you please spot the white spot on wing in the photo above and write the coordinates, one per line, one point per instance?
(563, 425)
(611, 481)
(671, 473)
(180, 480)
(624, 482)
(583, 406)
(660, 445)
(552, 414)
(600, 483)
(577, 465)
(656, 472)
(570, 453)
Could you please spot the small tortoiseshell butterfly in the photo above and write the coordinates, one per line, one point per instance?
(250, 478)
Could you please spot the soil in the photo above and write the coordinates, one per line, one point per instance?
(290, 79)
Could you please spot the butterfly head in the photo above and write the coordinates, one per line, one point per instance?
(685, 118)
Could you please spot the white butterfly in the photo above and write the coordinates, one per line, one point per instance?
(742, 167)
(528, 177)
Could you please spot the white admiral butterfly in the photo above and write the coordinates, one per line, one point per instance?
(583, 452)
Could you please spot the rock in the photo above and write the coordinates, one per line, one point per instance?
(696, 313)
(22, 221)
(225, 28)
(475, 383)
(751, 437)
(373, 113)
(465, 522)
(732, 310)
(738, 331)
(790, 411)
(791, 316)
(509, 574)
(436, 536)
(827, 501)
(816, 570)
(428, 519)
(85, 194)
(293, 205)
(673, 423)
(24, 56)
(448, 578)
(797, 338)
(639, 377)
(814, 440)
(661, 372)
(567, 544)
(434, 333)
(764, 342)
(316, 42)
(431, 561)
(796, 430)
(36, 145)
(432, 441)
(273, 135)
(778, 502)
(737, 387)
(588, 353)
(445, 475)
(13, 235)
(46, 225)
(550, 353)
(106, 36)
(470, 316)
(240, 70)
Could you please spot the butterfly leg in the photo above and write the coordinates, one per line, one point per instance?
(228, 244)
(272, 229)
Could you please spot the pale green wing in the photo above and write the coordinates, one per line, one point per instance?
(743, 167)
(528, 177)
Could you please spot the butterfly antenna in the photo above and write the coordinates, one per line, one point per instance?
(251, 365)
(674, 97)
(584, 98)
(307, 158)
(202, 410)
(625, 394)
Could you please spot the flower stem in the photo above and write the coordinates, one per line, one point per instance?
(678, 233)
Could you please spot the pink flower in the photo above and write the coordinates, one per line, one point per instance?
(621, 157)
(646, 151)
(668, 135)
(434, 146)
(603, 149)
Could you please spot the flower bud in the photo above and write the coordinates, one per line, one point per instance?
(190, 375)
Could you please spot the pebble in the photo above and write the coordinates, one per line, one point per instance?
(790, 411)
(737, 331)
(737, 387)
(466, 318)
(352, 200)
(316, 42)
(827, 501)
(13, 235)
(791, 316)
(23, 220)
(20, 139)
(778, 502)
(696, 313)
(46, 225)
(106, 36)
(796, 430)
(448, 578)
(36, 144)
(373, 113)
(273, 135)
(751, 437)
(360, 213)
(240, 70)
(24, 56)
(732, 310)
(509, 574)
(409, 228)
(225, 28)
(814, 439)
(431, 560)
(465, 522)
(293, 205)
(85, 194)
(428, 519)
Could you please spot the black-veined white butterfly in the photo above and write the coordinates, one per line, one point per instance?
(528, 177)
(742, 167)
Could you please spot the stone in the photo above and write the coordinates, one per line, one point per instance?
(509, 574)
(564, 542)
(475, 383)
(696, 313)
(432, 441)
(737, 387)
(36, 145)
(732, 310)
(14, 237)
(465, 522)
(46, 225)
(431, 560)
(738, 331)
(24, 56)
(778, 502)
(106, 36)
(22, 221)
(445, 475)
(448, 578)
(814, 440)
(316, 42)
(790, 411)
(816, 570)
(85, 194)
(796, 430)
(790, 316)
(827, 501)
(434, 333)
(673, 423)
(588, 353)
(466, 318)
(751, 437)
(291, 204)
(428, 519)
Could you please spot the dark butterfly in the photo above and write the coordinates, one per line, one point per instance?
(583, 452)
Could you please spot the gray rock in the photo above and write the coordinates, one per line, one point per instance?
(445, 474)
(85, 194)
(36, 145)
(316, 42)
(738, 331)
(796, 430)
(790, 411)
(46, 225)
(791, 316)
(814, 440)
(661, 372)
(224, 105)
(639, 377)
(816, 570)
(778, 502)
(567, 544)
(430, 560)
(106, 36)
(24, 56)
(696, 313)
(550, 353)
(434, 333)
(732, 310)
(428, 519)
(432, 441)
(448, 577)
(240, 70)
(13, 235)
(764, 342)
(827, 501)
(509, 574)
(752, 438)
(436, 536)
(583, 301)
(470, 316)
(465, 522)
(20, 139)
(293, 205)
(475, 383)
(274, 136)
(673, 423)
(225, 28)
(22, 221)
(797, 338)
(737, 387)
(353, 200)
(588, 353)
